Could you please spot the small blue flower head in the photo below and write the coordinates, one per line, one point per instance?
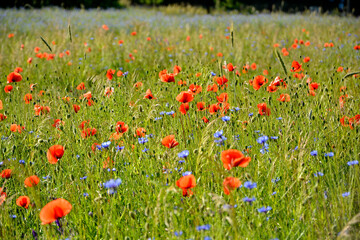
(143, 140)
(264, 209)
(279, 118)
(186, 173)
(119, 148)
(274, 137)
(178, 233)
(85, 194)
(213, 74)
(249, 200)
(314, 153)
(145, 150)
(112, 183)
(162, 113)
(318, 174)
(262, 139)
(106, 144)
(225, 118)
(21, 161)
(218, 134)
(183, 154)
(251, 114)
(329, 154)
(250, 185)
(203, 227)
(275, 180)
(345, 194)
(350, 163)
(170, 113)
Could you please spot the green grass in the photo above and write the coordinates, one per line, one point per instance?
(148, 204)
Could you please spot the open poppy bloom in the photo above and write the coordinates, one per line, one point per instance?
(205, 120)
(185, 97)
(295, 67)
(233, 158)
(214, 108)
(28, 98)
(258, 81)
(76, 108)
(58, 123)
(149, 95)
(81, 86)
(284, 98)
(186, 183)
(110, 73)
(140, 132)
(184, 108)
(212, 88)
(169, 141)
(263, 109)
(8, 88)
(200, 106)
(23, 201)
(32, 181)
(195, 89)
(222, 97)
(16, 128)
(166, 77)
(2, 117)
(88, 132)
(14, 77)
(54, 153)
(221, 80)
(6, 173)
(230, 183)
(121, 127)
(230, 67)
(54, 210)
(177, 69)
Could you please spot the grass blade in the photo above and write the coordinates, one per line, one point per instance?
(349, 75)
(46, 43)
(281, 61)
(70, 33)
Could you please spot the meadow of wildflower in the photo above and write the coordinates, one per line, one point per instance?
(134, 124)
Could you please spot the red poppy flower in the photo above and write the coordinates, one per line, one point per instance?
(284, 98)
(195, 89)
(41, 109)
(140, 132)
(234, 158)
(221, 80)
(76, 108)
(169, 141)
(83, 123)
(314, 86)
(54, 153)
(186, 183)
(2, 117)
(253, 66)
(28, 98)
(263, 109)
(214, 108)
(177, 69)
(230, 183)
(212, 88)
(8, 88)
(105, 27)
(184, 108)
(18, 70)
(259, 81)
(93, 146)
(81, 86)
(230, 67)
(342, 100)
(149, 95)
(121, 127)
(354, 121)
(205, 120)
(222, 97)
(185, 97)
(271, 88)
(88, 132)
(16, 128)
(138, 85)
(6, 173)
(14, 77)
(110, 73)
(23, 201)
(31, 181)
(54, 210)
(306, 59)
(295, 66)
(200, 106)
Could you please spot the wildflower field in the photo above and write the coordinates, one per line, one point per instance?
(133, 124)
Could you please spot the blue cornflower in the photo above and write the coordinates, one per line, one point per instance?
(207, 238)
(186, 173)
(318, 174)
(237, 109)
(85, 194)
(273, 193)
(225, 118)
(314, 153)
(1, 163)
(329, 154)
(250, 185)
(279, 118)
(143, 140)
(182, 161)
(218, 134)
(178, 233)
(145, 150)
(350, 163)
(262, 139)
(170, 113)
(13, 216)
(213, 74)
(106, 144)
(112, 183)
(157, 118)
(119, 148)
(21, 161)
(251, 114)
(345, 194)
(203, 227)
(162, 113)
(275, 180)
(183, 154)
(249, 200)
(274, 137)
(83, 178)
(264, 209)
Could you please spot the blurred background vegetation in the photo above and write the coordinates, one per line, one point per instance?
(202, 6)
